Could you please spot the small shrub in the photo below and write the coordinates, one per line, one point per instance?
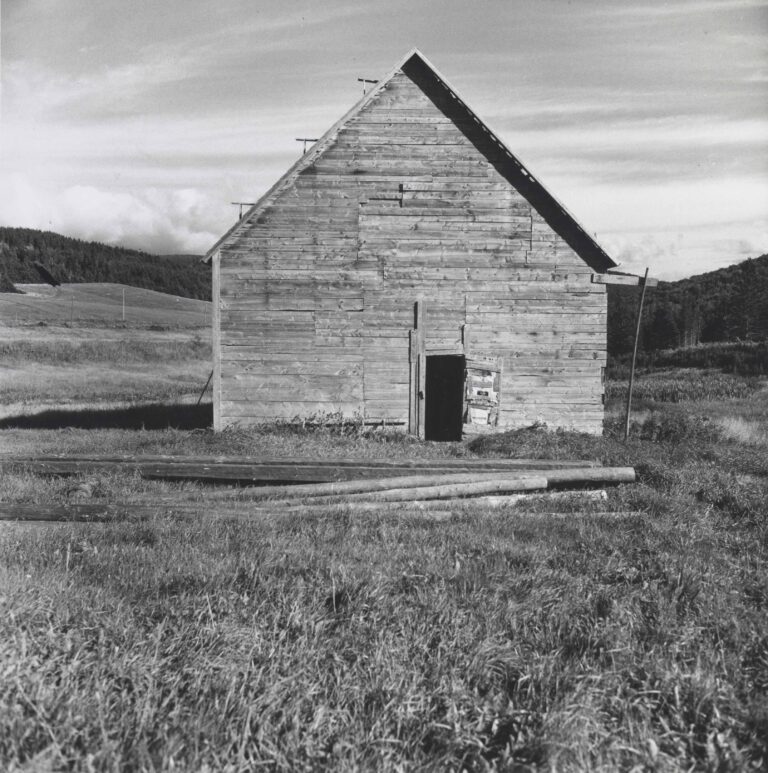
(745, 358)
(674, 427)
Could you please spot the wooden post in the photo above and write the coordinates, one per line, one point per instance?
(418, 368)
(634, 356)
(123, 304)
(216, 339)
(413, 381)
(421, 329)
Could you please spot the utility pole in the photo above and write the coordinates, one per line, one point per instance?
(634, 356)
(123, 304)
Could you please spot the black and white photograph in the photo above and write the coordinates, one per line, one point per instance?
(383, 386)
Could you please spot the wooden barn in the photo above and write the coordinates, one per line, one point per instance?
(408, 270)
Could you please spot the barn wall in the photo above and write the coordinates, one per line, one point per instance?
(317, 292)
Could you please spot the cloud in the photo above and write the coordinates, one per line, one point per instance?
(676, 254)
(635, 253)
(676, 227)
(640, 137)
(153, 219)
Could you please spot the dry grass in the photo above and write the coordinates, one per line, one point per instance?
(86, 368)
(348, 643)
(43, 386)
(743, 431)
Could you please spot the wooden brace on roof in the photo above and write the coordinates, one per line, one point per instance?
(623, 279)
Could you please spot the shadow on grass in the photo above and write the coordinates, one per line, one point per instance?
(151, 416)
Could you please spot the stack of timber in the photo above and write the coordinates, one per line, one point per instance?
(437, 486)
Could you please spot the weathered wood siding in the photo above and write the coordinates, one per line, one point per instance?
(317, 292)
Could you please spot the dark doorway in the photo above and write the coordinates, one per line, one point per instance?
(444, 397)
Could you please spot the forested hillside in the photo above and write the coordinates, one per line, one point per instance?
(729, 304)
(72, 260)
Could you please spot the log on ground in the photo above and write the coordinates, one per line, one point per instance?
(498, 484)
(591, 475)
(343, 488)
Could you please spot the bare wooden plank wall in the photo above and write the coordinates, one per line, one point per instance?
(317, 292)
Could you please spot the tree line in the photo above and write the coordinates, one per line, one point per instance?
(730, 304)
(24, 252)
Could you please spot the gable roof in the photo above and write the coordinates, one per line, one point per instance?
(416, 66)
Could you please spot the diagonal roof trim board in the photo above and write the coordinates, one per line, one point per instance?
(553, 212)
(418, 67)
(307, 158)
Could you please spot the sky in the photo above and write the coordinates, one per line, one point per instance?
(137, 123)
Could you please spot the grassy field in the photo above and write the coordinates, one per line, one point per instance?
(66, 372)
(100, 303)
(630, 634)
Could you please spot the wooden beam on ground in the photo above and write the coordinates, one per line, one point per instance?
(416, 464)
(245, 474)
(120, 513)
(256, 471)
(492, 500)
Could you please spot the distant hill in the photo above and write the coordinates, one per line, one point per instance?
(730, 304)
(71, 260)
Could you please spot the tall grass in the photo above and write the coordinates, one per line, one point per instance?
(745, 358)
(59, 351)
(344, 643)
(685, 386)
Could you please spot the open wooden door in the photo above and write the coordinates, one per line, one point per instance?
(482, 394)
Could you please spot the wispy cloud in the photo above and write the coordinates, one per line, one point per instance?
(656, 9)
(676, 255)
